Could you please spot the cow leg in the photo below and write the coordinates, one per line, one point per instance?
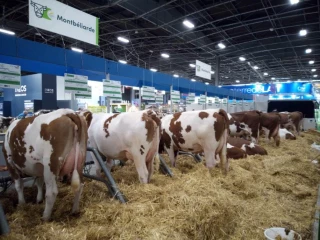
(210, 159)
(150, 168)
(172, 156)
(39, 182)
(76, 202)
(51, 192)
(224, 159)
(18, 183)
(142, 169)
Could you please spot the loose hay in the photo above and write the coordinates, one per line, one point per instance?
(259, 192)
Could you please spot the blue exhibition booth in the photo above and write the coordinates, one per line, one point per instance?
(42, 58)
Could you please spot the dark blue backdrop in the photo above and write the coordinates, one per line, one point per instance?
(42, 58)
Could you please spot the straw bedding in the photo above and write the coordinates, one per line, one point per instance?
(259, 192)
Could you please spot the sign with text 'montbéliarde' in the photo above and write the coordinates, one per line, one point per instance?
(10, 76)
(57, 17)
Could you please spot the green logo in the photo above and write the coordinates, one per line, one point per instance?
(42, 11)
(198, 68)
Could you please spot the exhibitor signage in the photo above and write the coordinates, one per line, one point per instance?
(57, 17)
(10, 76)
(203, 70)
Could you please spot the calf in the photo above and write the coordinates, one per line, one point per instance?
(249, 147)
(47, 146)
(285, 134)
(127, 136)
(235, 152)
(197, 131)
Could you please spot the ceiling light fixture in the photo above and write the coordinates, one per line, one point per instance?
(265, 74)
(219, 86)
(303, 32)
(242, 59)
(315, 75)
(176, 75)
(309, 50)
(193, 80)
(294, 2)
(153, 69)
(237, 81)
(273, 78)
(212, 72)
(6, 31)
(313, 70)
(256, 67)
(188, 24)
(123, 61)
(221, 46)
(76, 49)
(207, 83)
(311, 62)
(165, 55)
(192, 65)
(124, 40)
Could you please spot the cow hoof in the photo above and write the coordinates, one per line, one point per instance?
(39, 202)
(45, 219)
(76, 214)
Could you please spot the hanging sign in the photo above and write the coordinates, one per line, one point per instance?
(159, 98)
(202, 99)
(62, 19)
(147, 93)
(112, 89)
(175, 96)
(87, 95)
(191, 98)
(10, 76)
(203, 70)
(75, 83)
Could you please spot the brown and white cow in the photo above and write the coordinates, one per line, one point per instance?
(249, 147)
(126, 136)
(294, 121)
(245, 124)
(270, 123)
(47, 146)
(285, 134)
(235, 152)
(197, 131)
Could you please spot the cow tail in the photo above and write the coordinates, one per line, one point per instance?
(226, 118)
(80, 144)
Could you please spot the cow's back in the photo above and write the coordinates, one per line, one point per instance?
(114, 133)
(190, 129)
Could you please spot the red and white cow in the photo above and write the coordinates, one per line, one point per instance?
(285, 134)
(294, 121)
(126, 136)
(249, 147)
(47, 146)
(270, 123)
(197, 131)
(235, 152)
(245, 124)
